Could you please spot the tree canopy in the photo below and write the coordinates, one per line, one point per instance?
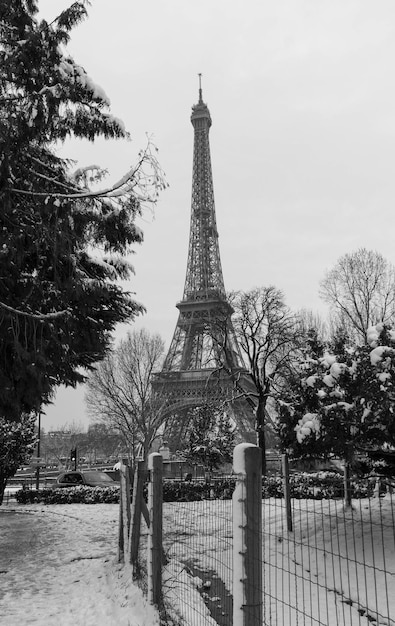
(62, 245)
(63, 240)
(360, 290)
(211, 437)
(269, 335)
(119, 391)
(17, 442)
(342, 401)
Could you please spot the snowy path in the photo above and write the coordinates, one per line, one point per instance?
(58, 568)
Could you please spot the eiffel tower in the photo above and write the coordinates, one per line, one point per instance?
(204, 362)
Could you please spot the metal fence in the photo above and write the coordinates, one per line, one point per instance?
(301, 560)
(197, 575)
(337, 565)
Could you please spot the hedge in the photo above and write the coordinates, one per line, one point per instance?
(69, 495)
(318, 486)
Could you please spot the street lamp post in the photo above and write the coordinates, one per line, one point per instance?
(38, 452)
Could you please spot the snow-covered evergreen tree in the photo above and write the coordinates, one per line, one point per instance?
(343, 398)
(211, 437)
(17, 440)
(59, 297)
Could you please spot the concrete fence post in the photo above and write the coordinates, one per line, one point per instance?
(155, 507)
(247, 536)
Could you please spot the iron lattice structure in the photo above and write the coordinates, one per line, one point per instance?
(204, 362)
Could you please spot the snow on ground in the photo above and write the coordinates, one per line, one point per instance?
(337, 566)
(198, 545)
(58, 567)
(58, 564)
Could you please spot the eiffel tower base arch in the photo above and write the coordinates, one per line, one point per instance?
(183, 391)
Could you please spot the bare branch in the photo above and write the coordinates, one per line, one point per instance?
(120, 391)
(361, 291)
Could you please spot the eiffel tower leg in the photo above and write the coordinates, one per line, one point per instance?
(176, 430)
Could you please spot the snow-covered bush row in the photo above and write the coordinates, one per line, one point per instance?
(176, 491)
(69, 495)
(319, 485)
(173, 491)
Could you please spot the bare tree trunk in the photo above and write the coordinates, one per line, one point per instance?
(347, 484)
(260, 427)
(3, 484)
(348, 460)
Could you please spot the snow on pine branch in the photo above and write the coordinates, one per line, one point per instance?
(74, 73)
(308, 424)
(115, 266)
(342, 384)
(142, 182)
(37, 315)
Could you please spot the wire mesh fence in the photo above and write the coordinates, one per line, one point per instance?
(286, 550)
(335, 567)
(330, 564)
(197, 578)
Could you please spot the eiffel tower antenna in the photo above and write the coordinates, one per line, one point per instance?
(204, 358)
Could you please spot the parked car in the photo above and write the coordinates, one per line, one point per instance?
(89, 478)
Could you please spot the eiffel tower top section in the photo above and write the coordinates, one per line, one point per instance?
(204, 278)
(204, 338)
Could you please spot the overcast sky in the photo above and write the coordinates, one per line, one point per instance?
(301, 94)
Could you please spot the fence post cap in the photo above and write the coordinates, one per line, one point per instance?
(154, 459)
(239, 455)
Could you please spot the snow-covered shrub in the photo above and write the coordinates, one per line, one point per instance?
(69, 495)
(17, 441)
(177, 491)
(303, 485)
(341, 398)
(272, 487)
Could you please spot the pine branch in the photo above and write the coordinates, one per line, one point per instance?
(124, 186)
(36, 316)
(49, 179)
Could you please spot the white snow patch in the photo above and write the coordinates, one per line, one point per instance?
(383, 376)
(328, 380)
(306, 425)
(239, 456)
(337, 369)
(376, 354)
(328, 359)
(60, 568)
(310, 381)
(372, 336)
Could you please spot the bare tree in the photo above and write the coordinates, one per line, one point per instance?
(309, 319)
(56, 445)
(102, 441)
(269, 335)
(360, 290)
(120, 392)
